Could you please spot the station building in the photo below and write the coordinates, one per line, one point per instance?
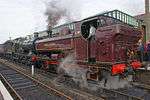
(146, 20)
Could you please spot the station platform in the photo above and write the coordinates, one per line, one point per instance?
(4, 94)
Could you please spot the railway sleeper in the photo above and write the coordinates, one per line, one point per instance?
(22, 84)
(18, 81)
(25, 87)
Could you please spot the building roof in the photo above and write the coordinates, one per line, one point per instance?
(140, 16)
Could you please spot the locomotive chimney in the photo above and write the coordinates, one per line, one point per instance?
(146, 6)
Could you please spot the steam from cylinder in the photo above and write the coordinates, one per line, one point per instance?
(69, 67)
(115, 82)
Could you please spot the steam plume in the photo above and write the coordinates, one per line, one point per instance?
(54, 13)
(62, 11)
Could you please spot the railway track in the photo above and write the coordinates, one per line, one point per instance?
(23, 87)
(121, 94)
(142, 77)
(141, 85)
(47, 78)
(135, 93)
(118, 95)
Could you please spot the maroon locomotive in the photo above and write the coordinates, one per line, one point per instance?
(105, 42)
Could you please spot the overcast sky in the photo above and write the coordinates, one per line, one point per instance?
(23, 17)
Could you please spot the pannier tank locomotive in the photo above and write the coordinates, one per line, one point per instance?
(102, 43)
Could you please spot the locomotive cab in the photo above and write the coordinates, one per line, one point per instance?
(85, 27)
(89, 31)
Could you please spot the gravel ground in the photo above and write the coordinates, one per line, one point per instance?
(142, 77)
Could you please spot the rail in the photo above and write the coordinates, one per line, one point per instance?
(10, 74)
(123, 96)
(13, 93)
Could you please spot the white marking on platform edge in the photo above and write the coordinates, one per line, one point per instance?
(4, 92)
